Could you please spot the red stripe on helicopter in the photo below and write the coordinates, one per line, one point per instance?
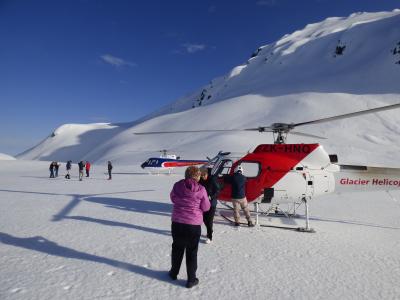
(276, 161)
(279, 159)
(173, 164)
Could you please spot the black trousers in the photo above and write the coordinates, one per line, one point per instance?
(185, 237)
(208, 219)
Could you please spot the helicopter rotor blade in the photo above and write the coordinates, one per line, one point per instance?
(259, 129)
(190, 131)
(282, 127)
(308, 135)
(350, 115)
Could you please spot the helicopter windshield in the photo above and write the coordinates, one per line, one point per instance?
(250, 169)
(153, 162)
(224, 167)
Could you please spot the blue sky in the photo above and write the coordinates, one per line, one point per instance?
(115, 61)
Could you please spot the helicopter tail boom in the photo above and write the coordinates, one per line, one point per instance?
(364, 178)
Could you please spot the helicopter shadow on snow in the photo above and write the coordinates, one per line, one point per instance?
(119, 224)
(351, 222)
(43, 245)
(133, 205)
(331, 220)
(279, 219)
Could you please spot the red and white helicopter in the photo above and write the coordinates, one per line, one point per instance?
(293, 174)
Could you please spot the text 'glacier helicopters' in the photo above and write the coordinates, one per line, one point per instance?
(293, 174)
(167, 162)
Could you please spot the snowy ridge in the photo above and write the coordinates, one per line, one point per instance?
(6, 157)
(296, 61)
(72, 141)
(337, 66)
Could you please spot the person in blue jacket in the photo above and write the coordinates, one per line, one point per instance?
(239, 200)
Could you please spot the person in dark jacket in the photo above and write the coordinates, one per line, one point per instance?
(51, 169)
(239, 200)
(213, 188)
(190, 201)
(109, 167)
(56, 167)
(81, 166)
(68, 167)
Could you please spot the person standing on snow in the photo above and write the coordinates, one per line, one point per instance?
(87, 167)
(239, 200)
(213, 188)
(51, 169)
(109, 167)
(56, 167)
(190, 201)
(68, 167)
(81, 166)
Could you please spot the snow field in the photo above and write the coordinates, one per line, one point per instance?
(111, 240)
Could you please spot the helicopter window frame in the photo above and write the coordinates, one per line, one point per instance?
(153, 162)
(222, 169)
(251, 162)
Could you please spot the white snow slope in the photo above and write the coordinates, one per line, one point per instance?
(6, 157)
(301, 77)
(100, 239)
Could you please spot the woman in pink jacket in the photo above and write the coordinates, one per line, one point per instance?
(189, 200)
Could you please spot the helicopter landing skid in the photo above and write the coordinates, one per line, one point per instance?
(261, 225)
(307, 228)
(272, 211)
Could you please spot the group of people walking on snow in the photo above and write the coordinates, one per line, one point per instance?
(82, 166)
(194, 202)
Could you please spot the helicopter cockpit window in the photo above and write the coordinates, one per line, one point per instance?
(250, 169)
(224, 167)
(153, 162)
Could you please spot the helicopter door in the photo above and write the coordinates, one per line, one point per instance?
(318, 184)
(223, 168)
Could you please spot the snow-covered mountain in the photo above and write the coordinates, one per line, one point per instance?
(337, 66)
(6, 157)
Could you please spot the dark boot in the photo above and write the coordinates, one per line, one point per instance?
(172, 276)
(191, 284)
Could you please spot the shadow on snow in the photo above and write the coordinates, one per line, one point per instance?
(41, 244)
